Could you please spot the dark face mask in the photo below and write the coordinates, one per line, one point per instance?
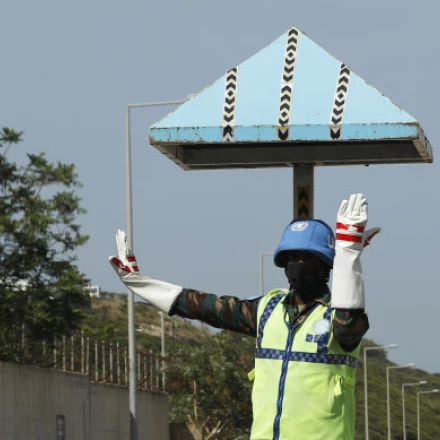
(307, 278)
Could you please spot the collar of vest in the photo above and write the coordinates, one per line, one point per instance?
(324, 299)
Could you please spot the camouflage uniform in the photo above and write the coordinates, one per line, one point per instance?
(238, 315)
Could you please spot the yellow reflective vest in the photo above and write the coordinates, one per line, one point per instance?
(304, 381)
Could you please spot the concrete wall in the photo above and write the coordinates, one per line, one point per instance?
(33, 400)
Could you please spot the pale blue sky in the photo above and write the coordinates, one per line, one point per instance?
(69, 70)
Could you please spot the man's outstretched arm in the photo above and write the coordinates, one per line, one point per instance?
(226, 312)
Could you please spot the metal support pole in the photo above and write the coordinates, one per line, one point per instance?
(162, 329)
(415, 384)
(366, 394)
(388, 405)
(382, 347)
(388, 394)
(418, 416)
(403, 410)
(103, 361)
(64, 353)
(72, 354)
(151, 369)
(23, 337)
(55, 351)
(303, 190)
(111, 362)
(130, 296)
(126, 366)
(145, 372)
(118, 366)
(138, 366)
(157, 374)
(88, 357)
(82, 352)
(96, 361)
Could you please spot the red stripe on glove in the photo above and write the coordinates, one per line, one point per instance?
(345, 227)
(347, 237)
(132, 259)
(117, 262)
(368, 239)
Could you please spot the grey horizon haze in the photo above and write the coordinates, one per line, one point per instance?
(69, 70)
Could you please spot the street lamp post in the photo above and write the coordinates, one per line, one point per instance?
(418, 408)
(130, 296)
(414, 384)
(382, 347)
(262, 255)
(162, 346)
(388, 394)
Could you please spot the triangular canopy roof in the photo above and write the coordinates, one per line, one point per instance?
(290, 103)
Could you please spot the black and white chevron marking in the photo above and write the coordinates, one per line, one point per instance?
(287, 84)
(229, 105)
(339, 103)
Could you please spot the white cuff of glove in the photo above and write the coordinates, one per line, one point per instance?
(348, 289)
(159, 294)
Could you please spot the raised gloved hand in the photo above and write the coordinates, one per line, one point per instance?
(348, 290)
(160, 294)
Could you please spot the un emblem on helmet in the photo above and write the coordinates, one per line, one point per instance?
(299, 226)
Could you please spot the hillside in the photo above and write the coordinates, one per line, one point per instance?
(108, 319)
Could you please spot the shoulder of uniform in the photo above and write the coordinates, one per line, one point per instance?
(272, 294)
(251, 298)
(277, 292)
(323, 303)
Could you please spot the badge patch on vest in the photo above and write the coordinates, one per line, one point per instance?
(321, 327)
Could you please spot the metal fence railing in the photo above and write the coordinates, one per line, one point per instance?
(101, 361)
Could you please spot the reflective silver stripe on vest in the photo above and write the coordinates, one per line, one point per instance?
(323, 341)
(317, 358)
(268, 309)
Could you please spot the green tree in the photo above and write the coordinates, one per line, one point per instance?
(211, 380)
(40, 283)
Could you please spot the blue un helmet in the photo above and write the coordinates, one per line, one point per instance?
(312, 236)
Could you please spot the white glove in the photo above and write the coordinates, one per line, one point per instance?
(160, 294)
(348, 289)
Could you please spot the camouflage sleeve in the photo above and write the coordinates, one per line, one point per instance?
(226, 312)
(349, 327)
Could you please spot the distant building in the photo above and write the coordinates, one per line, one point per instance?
(93, 291)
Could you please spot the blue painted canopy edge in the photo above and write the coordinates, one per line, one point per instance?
(290, 95)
